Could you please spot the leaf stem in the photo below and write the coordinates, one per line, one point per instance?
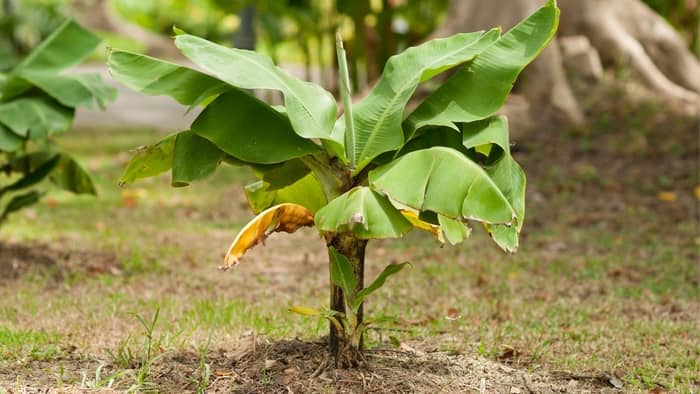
(346, 96)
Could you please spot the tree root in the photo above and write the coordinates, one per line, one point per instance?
(625, 33)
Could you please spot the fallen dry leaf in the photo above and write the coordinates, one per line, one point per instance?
(51, 202)
(270, 363)
(667, 196)
(509, 353)
(221, 372)
(285, 217)
(131, 197)
(452, 314)
(696, 191)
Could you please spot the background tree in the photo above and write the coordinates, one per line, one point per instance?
(625, 33)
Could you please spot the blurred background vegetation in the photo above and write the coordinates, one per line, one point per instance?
(294, 31)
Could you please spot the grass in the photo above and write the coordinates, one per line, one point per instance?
(28, 344)
(604, 283)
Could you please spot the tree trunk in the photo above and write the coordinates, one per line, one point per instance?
(346, 354)
(625, 33)
(245, 37)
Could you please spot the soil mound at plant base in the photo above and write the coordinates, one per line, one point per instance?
(17, 260)
(302, 367)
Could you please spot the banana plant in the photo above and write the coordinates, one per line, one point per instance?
(374, 172)
(38, 103)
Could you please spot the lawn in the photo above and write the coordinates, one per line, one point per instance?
(122, 291)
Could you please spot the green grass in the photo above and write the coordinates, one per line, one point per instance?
(27, 344)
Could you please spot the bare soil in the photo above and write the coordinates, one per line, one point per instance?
(18, 259)
(293, 366)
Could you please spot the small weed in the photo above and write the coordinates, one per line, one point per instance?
(100, 382)
(204, 370)
(141, 382)
(123, 357)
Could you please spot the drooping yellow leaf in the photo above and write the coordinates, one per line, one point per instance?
(285, 217)
(303, 310)
(696, 190)
(434, 229)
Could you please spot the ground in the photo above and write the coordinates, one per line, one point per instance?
(122, 292)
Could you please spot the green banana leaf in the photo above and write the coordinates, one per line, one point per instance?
(455, 230)
(35, 117)
(305, 191)
(157, 77)
(32, 177)
(342, 273)
(9, 141)
(284, 175)
(503, 170)
(378, 282)
(311, 109)
(194, 158)
(81, 90)
(365, 212)
(510, 178)
(148, 161)
(483, 134)
(20, 201)
(444, 181)
(378, 116)
(250, 130)
(69, 175)
(479, 90)
(67, 46)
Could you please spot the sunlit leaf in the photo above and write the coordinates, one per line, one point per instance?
(157, 77)
(364, 212)
(311, 108)
(284, 217)
(479, 90)
(446, 182)
(378, 116)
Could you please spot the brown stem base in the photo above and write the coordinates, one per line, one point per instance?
(341, 348)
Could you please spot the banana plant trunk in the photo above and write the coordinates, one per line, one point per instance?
(347, 353)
